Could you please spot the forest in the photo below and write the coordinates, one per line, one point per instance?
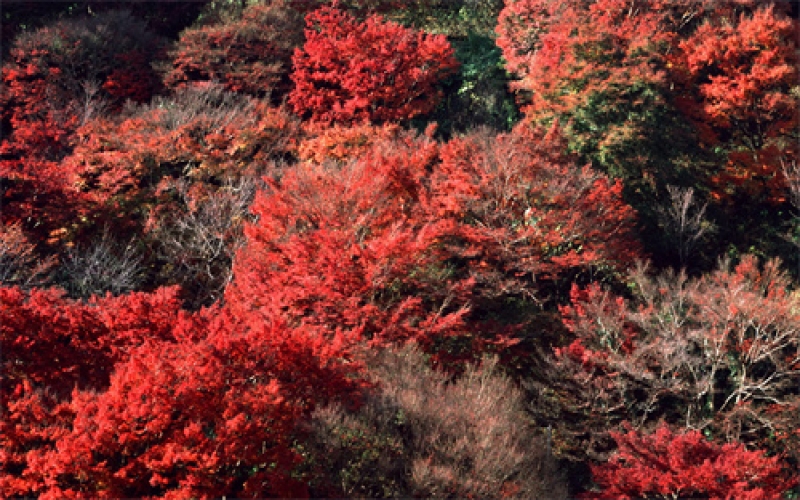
(535, 249)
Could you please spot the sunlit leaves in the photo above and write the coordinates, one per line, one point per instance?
(668, 464)
(373, 70)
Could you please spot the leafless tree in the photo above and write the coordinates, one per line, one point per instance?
(719, 353)
(683, 220)
(791, 172)
(199, 242)
(19, 263)
(209, 101)
(104, 266)
(421, 434)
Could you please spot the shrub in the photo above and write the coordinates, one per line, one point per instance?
(56, 79)
(197, 238)
(20, 264)
(101, 267)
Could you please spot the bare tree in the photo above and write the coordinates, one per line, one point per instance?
(92, 104)
(421, 434)
(682, 220)
(19, 263)
(791, 172)
(720, 353)
(198, 243)
(105, 266)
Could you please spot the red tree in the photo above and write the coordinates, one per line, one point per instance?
(251, 55)
(208, 417)
(736, 81)
(527, 215)
(129, 397)
(671, 465)
(59, 343)
(57, 78)
(52, 346)
(349, 248)
(201, 134)
(391, 245)
(372, 70)
(615, 72)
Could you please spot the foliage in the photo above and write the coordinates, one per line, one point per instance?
(685, 465)
(57, 78)
(527, 215)
(165, 165)
(736, 82)
(428, 232)
(372, 70)
(342, 143)
(453, 18)
(51, 347)
(477, 95)
(696, 94)
(320, 255)
(349, 248)
(178, 420)
(250, 54)
(162, 403)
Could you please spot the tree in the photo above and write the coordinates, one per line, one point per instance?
(56, 79)
(157, 173)
(197, 237)
(19, 264)
(420, 433)
(342, 143)
(645, 91)
(250, 54)
(684, 224)
(138, 398)
(720, 353)
(53, 346)
(372, 70)
(738, 81)
(349, 248)
(685, 465)
(61, 343)
(527, 215)
(413, 238)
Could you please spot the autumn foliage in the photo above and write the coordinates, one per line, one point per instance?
(660, 93)
(56, 79)
(246, 261)
(686, 465)
(738, 82)
(251, 55)
(609, 66)
(372, 70)
(151, 420)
